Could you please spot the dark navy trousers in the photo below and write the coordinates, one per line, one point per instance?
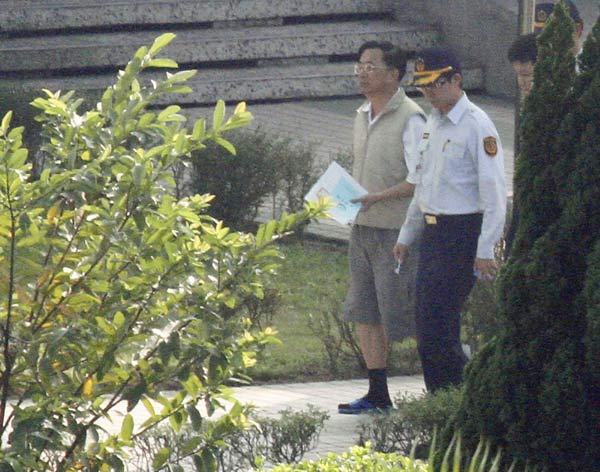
(444, 279)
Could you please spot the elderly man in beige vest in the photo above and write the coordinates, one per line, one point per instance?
(380, 297)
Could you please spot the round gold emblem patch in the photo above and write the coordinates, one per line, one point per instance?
(490, 146)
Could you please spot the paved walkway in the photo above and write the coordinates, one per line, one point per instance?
(340, 432)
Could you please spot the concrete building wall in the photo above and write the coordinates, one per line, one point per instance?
(482, 31)
(588, 9)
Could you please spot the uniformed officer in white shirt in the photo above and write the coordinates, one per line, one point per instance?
(458, 208)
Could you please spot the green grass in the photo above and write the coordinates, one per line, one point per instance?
(313, 281)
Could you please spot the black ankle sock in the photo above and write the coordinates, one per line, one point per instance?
(378, 389)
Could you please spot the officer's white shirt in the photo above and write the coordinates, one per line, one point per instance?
(411, 136)
(457, 176)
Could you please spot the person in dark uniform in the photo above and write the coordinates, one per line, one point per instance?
(543, 10)
(458, 209)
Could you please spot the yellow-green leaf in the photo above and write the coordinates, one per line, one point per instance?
(148, 404)
(240, 108)
(163, 62)
(218, 114)
(52, 212)
(88, 387)
(119, 319)
(168, 112)
(127, 428)
(160, 42)
(181, 76)
(270, 230)
(146, 119)
(161, 457)
(6, 122)
(18, 158)
(199, 129)
(226, 144)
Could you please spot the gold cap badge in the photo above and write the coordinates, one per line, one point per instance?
(419, 65)
(542, 16)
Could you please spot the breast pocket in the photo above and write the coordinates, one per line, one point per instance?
(457, 159)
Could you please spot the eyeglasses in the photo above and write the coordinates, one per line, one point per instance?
(434, 85)
(368, 68)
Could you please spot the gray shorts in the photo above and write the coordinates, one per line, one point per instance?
(376, 293)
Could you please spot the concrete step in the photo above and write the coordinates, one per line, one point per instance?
(249, 84)
(19, 16)
(253, 50)
(112, 50)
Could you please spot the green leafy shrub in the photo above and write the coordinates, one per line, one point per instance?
(297, 171)
(411, 425)
(451, 459)
(291, 436)
(345, 158)
(285, 439)
(358, 459)
(240, 181)
(264, 169)
(261, 310)
(19, 101)
(337, 337)
(112, 287)
(340, 344)
(172, 446)
(24, 115)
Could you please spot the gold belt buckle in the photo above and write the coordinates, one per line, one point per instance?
(430, 219)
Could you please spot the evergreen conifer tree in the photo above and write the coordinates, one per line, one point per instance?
(592, 344)
(543, 112)
(530, 389)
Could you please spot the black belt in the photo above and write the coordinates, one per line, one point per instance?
(431, 219)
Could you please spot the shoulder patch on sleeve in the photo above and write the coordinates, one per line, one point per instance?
(490, 146)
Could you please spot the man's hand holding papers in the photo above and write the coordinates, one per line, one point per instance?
(344, 193)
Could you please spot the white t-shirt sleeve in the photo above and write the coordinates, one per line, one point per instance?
(411, 136)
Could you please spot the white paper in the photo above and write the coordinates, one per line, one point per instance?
(339, 185)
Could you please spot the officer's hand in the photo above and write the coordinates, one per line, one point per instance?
(400, 252)
(485, 269)
(367, 201)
